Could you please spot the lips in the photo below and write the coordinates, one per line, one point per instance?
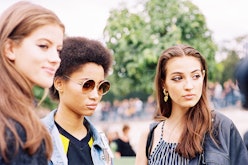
(91, 106)
(50, 70)
(189, 96)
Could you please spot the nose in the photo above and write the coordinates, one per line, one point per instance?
(188, 84)
(54, 56)
(94, 93)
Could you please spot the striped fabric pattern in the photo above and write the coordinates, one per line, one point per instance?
(165, 154)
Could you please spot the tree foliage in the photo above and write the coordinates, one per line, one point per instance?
(137, 40)
(42, 98)
(232, 52)
(229, 64)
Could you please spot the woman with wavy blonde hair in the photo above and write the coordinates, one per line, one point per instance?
(31, 37)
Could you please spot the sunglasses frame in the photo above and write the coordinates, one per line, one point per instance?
(86, 80)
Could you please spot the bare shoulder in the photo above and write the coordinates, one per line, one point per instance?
(145, 132)
(141, 158)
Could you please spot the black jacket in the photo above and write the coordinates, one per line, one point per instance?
(230, 150)
(22, 157)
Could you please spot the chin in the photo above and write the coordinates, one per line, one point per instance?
(189, 105)
(46, 84)
(89, 114)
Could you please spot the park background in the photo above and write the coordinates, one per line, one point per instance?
(136, 32)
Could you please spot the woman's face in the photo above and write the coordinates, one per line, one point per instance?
(184, 81)
(37, 57)
(72, 98)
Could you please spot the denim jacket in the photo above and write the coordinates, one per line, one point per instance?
(100, 151)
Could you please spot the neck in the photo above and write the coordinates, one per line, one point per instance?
(177, 114)
(70, 122)
(173, 128)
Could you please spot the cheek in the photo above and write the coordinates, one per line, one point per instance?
(73, 99)
(71, 92)
(174, 93)
(199, 90)
(199, 86)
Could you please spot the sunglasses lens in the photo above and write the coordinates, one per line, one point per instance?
(88, 86)
(104, 88)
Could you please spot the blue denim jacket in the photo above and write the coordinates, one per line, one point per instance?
(100, 151)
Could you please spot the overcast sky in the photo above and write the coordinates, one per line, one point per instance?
(226, 18)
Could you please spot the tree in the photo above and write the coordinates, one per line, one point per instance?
(138, 39)
(229, 65)
(43, 99)
(231, 52)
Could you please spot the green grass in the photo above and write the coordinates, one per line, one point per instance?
(124, 161)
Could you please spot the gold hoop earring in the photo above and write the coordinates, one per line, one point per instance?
(166, 95)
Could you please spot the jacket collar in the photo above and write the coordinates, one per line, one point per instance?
(49, 120)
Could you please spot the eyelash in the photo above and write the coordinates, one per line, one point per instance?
(46, 47)
(43, 46)
(197, 76)
(178, 78)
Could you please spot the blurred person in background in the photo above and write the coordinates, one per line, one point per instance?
(241, 75)
(31, 37)
(124, 147)
(112, 135)
(79, 86)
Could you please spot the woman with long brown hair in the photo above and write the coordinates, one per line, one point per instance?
(31, 37)
(187, 131)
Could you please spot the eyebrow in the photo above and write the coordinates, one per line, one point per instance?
(83, 79)
(190, 72)
(44, 39)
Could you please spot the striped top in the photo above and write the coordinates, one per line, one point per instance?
(165, 154)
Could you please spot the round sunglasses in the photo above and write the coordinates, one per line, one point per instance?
(88, 85)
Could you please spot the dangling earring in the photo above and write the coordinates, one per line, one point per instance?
(166, 95)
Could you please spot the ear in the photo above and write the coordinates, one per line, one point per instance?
(8, 50)
(203, 73)
(58, 84)
(163, 85)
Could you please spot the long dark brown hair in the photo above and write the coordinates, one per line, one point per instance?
(17, 100)
(197, 118)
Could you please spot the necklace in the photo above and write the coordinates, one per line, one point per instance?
(170, 133)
